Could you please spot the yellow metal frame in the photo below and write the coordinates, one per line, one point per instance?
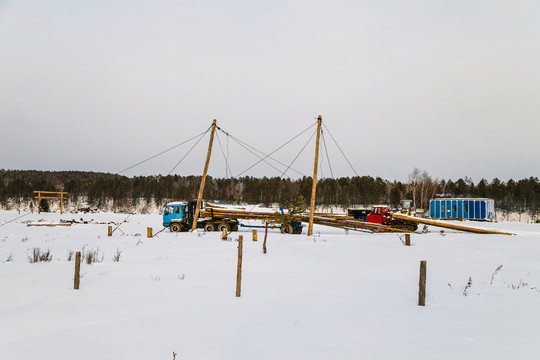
(54, 195)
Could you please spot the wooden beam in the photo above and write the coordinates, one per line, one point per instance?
(447, 225)
(201, 188)
(49, 197)
(50, 192)
(59, 196)
(314, 187)
(239, 267)
(422, 284)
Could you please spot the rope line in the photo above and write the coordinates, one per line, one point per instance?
(341, 150)
(18, 217)
(268, 156)
(321, 160)
(311, 137)
(161, 153)
(327, 157)
(227, 168)
(182, 159)
(122, 223)
(248, 149)
(155, 235)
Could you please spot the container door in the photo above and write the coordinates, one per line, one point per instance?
(443, 210)
(432, 209)
(477, 209)
(483, 210)
(438, 209)
(454, 209)
(491, 210)
(460, 209)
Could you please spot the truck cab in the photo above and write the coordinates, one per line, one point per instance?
(174, 212)
(380, 214)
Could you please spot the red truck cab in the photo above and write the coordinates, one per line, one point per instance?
(380, 214)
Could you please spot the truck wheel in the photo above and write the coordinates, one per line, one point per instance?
(209, 227)
(224, 226)
(175, 228)
(286, 229)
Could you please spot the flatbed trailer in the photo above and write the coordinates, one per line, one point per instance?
(337, 221)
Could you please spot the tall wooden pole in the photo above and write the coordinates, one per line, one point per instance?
(77, 278)
(199, 198)
(265, 236)
(314, 188)
(422, 284)
(239, 267)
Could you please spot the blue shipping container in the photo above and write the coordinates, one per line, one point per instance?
(459, 208)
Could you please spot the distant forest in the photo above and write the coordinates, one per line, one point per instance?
(97, 188)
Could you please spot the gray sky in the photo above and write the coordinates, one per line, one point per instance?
(450, 87)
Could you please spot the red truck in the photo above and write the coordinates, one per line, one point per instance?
(380, 214)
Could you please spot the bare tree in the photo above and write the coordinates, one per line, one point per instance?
(412, 186)
(423, 188)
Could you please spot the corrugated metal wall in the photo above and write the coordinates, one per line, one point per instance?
(472, 209)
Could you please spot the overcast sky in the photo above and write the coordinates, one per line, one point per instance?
(450, 87)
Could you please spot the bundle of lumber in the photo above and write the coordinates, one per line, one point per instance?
(337, 221)
(448, 225)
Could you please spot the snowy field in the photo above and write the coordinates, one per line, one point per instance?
(330, 296)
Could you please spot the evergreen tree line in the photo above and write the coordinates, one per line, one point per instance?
(97, 188)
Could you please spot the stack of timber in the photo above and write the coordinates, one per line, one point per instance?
(337, 221)
(447, 225)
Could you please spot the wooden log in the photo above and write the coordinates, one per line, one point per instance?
(447, 225)
(239, 267)
(339, 222)
(265, 237)
(203, 180)
(422, 284)
(148, 232)
(407, 239)
(224, 235)
(77, 270)
(254, 234)
(110, 230)
(314, 186)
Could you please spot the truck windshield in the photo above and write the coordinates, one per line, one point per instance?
(168, 210)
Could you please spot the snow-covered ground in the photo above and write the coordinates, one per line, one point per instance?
(330, 296)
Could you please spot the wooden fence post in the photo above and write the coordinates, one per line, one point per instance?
(265, 236)
(422, 284)
(77, 270)
(148, 232)
(407, 239)
(239, 268)
(224, 234)
(110, 230)
(254, 234)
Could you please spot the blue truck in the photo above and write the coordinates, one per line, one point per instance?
(178, 216)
